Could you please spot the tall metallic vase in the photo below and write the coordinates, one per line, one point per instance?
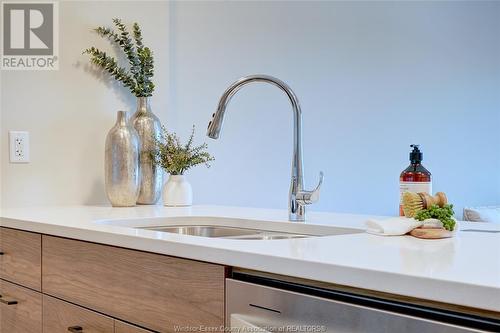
(122, 163)
(147, 126)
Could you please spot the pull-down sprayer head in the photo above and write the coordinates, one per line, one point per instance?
(215, 125)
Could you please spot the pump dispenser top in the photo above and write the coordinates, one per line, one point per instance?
(416, 156)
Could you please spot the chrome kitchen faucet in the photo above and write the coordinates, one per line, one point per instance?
(298, 198)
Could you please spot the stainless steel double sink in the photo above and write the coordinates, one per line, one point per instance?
(229, 228)
(213, 231)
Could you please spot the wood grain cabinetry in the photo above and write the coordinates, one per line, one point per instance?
(153, 291)
(96, 288)
(121, 327)
(20, 257)
(20, 309)
(63, 317)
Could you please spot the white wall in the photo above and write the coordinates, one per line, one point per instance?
(68, 112)
(372, 77)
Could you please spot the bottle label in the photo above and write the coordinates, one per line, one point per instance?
(416, 187)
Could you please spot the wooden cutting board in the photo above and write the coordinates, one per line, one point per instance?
(431, 233)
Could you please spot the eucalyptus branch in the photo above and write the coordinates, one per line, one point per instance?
(108, 33)
(145, 61)
(109, 64)
(137, 35)
(139, 77)
(128, 47)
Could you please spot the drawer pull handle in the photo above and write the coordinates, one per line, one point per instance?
(6, 302)
(75, 329)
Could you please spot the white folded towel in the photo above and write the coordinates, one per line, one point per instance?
(395, 226)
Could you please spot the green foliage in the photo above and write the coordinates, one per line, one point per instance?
(444, 214)
(175, 157)
(140, 58)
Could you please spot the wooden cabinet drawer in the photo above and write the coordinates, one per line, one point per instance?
(20, 257)
(121, 327)
(21, 317)
(153, 291)
(63, 317)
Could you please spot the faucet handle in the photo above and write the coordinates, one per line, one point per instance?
(309, 197)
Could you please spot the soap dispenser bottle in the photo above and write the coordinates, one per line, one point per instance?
(415, 178)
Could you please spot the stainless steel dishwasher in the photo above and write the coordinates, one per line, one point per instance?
(285, 307)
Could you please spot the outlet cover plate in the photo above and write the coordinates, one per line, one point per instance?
(19, 147)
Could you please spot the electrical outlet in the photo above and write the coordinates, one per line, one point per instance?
(19, 142)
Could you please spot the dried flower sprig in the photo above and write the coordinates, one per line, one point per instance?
(139, 78)
(176, 158)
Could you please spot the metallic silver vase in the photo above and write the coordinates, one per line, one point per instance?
(122, 163)
(147, 126)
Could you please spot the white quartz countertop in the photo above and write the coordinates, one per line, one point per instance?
(463, 270)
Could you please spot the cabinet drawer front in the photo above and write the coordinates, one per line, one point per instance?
(60, 317)
(153, 291)
(121, 327)
(23, 317)
(20, 258)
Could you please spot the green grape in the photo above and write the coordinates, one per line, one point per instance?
(444, 214)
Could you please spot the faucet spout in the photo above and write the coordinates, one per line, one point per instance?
(298, 198)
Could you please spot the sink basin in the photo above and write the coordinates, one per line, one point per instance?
(225, 232)
(228, 228)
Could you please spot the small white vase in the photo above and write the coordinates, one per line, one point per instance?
(177, 191)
